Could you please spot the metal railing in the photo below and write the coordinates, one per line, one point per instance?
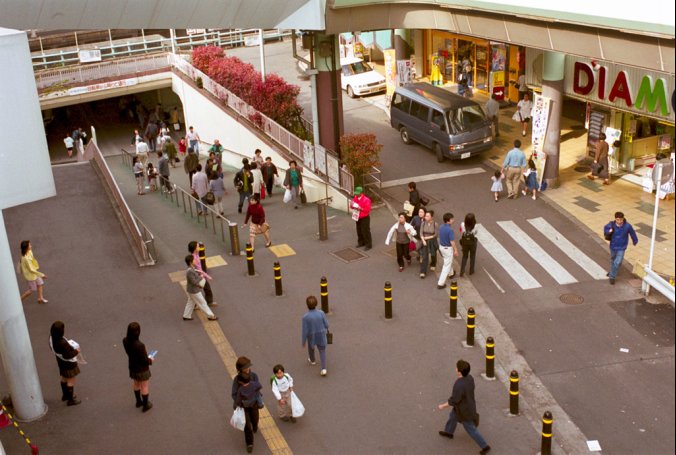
(73, 75)
(196, 209)
(316, 158)
(146, 45)
(142, 239)
(373, 178)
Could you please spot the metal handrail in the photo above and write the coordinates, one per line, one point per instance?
(44, 60)
(128, 216)
(189, 202)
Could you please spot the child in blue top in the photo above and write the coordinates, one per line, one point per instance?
(531, 179)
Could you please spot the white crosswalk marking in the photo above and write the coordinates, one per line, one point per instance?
(585, 262)
(538, 254)
(515, 270)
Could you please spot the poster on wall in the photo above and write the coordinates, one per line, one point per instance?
(309, 156)
(390, 74)
(403, 72)
(540, 118)
(320, 159)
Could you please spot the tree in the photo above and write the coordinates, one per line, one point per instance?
(360, 153)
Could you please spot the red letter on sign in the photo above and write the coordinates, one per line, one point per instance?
(578, 88)
(621, 89)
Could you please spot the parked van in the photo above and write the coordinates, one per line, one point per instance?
(452, 126)
(358, 78)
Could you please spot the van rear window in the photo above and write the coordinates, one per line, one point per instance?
(401, 102)
(466, 118)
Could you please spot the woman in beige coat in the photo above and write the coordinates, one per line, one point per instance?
(600, 165)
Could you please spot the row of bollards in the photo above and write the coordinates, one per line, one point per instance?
(547, 419)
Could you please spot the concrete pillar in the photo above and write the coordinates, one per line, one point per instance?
(402, 46)
(419, 52)
(552, 88)
(15, 343)
(329, 96)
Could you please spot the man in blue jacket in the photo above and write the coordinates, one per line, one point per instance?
(315, 326)
(618, 232)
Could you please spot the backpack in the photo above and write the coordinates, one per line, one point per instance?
(239, 181)
(273, 378)
(468, 239)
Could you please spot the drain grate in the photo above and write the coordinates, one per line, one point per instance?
(571, 299)
(348, 255)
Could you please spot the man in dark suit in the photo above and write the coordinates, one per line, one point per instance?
(464, 407)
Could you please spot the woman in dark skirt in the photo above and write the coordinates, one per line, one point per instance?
(139, 365)
(66, 355)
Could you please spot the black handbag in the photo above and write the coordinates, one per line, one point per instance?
(329, 337)
(609, 235)
(303, 197)
(596, 168)
(210, 198)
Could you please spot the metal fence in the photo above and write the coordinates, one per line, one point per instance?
(221, 226)
(141, 237)
(147, 45)
(73, 75)
(315, 158)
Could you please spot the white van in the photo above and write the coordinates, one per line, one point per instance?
(358, 78)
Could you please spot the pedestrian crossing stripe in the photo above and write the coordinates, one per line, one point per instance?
(282, 250)
(585, 262)
(212, 262)
(518, 273)
(536, 252)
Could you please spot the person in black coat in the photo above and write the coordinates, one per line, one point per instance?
(139, 365)
(66, 352)
(464, 407)
(246, 393)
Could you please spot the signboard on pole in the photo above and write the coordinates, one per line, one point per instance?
(540, 118)
(89, 55)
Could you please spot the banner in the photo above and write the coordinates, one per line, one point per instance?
(540, 118)
(390, 74)
(403, 72)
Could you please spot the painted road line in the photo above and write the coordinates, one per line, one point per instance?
(588, 264)
(493, 280)
(266, 423)
(539, 255)
(515, 270)
(282, 250)
(426, 178)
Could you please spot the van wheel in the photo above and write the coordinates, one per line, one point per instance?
(404, 135)
(350, 92)
(438, 153)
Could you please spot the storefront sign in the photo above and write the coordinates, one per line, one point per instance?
(103, 86)
(540, 117)
(390, 74)
(633, 89)
(498, 85)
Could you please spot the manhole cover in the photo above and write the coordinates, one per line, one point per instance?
(571, 299)
(349, 255)
(581, 168)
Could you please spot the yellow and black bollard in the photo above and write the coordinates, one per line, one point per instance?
(453, 311)
(490, 358)
(470, 326)
(324, 294)
(278, 279)
(203, 256)
(250, 260)
(547, 424)
(388, 300)
(514, 393)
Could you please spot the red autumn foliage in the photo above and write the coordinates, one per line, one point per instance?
(275, 97)
(359, 153)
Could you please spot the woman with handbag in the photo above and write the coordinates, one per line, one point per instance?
(600, 164)
(404, 234)
(66, 352)
(523, 113)
(139, 365)
(429, 230)
(256, 213)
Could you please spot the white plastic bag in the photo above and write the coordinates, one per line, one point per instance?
(287, 196)
(297, 408)
(238, 420)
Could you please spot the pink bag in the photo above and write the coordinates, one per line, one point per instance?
(412, 246)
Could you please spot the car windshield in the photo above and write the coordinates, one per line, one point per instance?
(358, 68)
(466, 118)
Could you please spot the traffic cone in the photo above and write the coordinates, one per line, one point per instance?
(4, 420)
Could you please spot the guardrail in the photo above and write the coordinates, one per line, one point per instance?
(316, 158)
(68, 76)
(659, 284)
(141, 238)
(192, 206)
(130, 48)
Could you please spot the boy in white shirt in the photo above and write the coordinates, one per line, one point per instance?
(69, 145)
(282, 386)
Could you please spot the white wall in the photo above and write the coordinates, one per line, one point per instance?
(211, 122)
(25, 168)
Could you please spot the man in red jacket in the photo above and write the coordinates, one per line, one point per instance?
(361, 210)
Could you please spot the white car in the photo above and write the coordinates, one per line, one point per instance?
(358, 78)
